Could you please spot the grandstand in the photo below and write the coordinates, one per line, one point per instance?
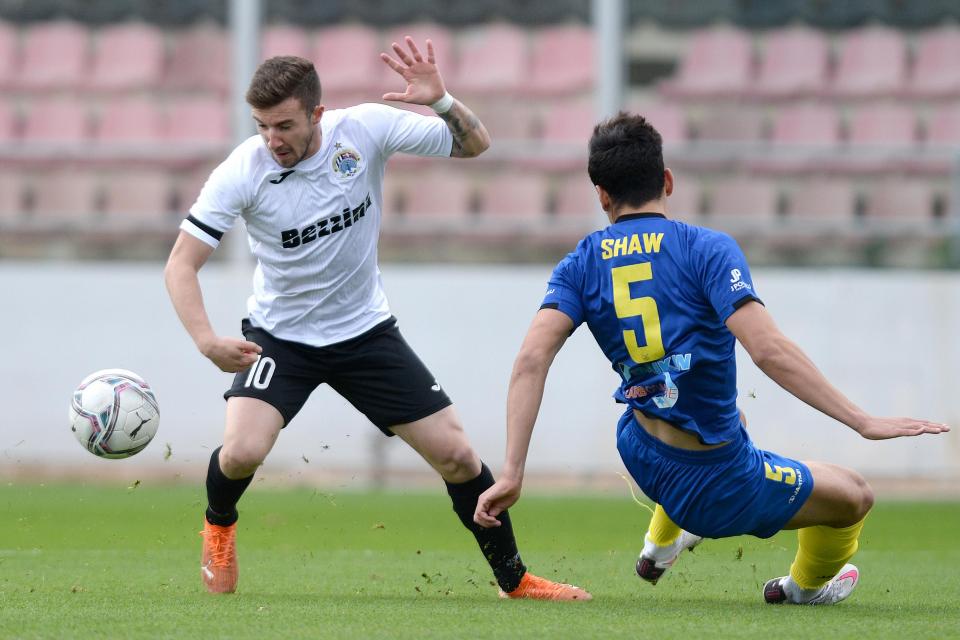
(815, 132)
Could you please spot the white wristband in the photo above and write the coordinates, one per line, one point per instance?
(444, 104)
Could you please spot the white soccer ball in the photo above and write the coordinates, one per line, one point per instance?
(114, 413)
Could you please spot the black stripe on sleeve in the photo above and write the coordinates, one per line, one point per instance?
(550, 305)
(210, 231)
(745, 299)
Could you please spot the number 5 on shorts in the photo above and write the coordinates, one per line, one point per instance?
(646, 308)
(261, 372)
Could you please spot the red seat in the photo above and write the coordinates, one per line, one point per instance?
(9, 122)
(494, 59)
(55, 56)
(137, 196)
(11, 195)
(450, 194)
(515, 194)
(884, 124)
(742, 125)
(56, 120)
(936, 71)
(200, 59)
(285, 40)
(562, 60)
(569, 122)
(806, 124)
(900, 199)
(9, 55)
(576, 197)
(348, 61)
(66, 194)
(744, 197)
(198, 119)
(717, 63)
(685, 201)
(872, 62)
(128, 56)
(944, 126)
(828, 198)
(794, 63)
(669, 120)
(131, 120)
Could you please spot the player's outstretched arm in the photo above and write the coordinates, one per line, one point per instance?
(546, 335)
(183, 284)
(787, 365)
(425, 86)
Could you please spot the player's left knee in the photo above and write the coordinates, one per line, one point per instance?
(458, 463)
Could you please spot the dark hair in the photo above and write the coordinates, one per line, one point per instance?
(282, 77)
(626, 159)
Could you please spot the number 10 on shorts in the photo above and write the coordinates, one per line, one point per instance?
(261, 372)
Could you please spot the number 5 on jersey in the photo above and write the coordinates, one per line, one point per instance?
(645, 307)
(261, 372)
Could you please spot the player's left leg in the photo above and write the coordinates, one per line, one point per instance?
(662, 546)
(441, 441)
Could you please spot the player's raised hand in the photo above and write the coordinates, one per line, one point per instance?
(886, 428)
(494, 501)
(231, 354)
(424, 84)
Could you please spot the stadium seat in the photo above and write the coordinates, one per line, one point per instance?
(444, 193)
(576, 197)
(510, 122)
(11, 196)
(883, 124)
(741, 125)
(823, 198)
(493, 60)
(131, 121)
(562, 60)
(794, 64)
(197, 119)
(137, 196)
(943, 127)
(285, 40)
(200, 59)
(900, 199)
(515, 194)
(348, 61)
(802, 137)
(128, 56)
(9, 55)
(718, 63)
(443, 47)
(569, 122)
(669, 119)
(935, 70)
(9, 122)
(56, 120)
(55, 55)
(872, 62)
(685, 201)
(743, 197)
(66, 194)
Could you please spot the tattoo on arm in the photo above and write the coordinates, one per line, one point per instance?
(470, 137)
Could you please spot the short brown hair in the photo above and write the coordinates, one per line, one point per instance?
(282, 77)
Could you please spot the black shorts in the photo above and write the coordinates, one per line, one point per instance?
(377, 372)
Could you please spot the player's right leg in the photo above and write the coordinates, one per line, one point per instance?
(252, 427)
(829, 525)
(662, 546)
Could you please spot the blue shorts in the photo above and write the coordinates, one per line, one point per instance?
(732, 490)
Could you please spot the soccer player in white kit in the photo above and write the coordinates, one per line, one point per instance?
(309, 190)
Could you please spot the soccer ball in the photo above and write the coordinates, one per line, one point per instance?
(114, 413)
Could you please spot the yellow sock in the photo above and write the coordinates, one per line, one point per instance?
(663, 532)
(822, 552)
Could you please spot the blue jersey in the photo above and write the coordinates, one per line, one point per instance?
(656, 294)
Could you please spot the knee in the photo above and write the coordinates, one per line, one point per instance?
(860, 499)
(240, 460)
(458, 463)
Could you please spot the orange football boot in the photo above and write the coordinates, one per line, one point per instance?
(537, 588)
(218, 564)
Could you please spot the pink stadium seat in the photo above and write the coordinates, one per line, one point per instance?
(131, 120)
(731, 125)
(515, 194)
(66, 194)
(872, 62)
(493, 60)
(348, 60)
(285, 40)
(906, 199)
(569, 122)
(9, 126)
(9, 55)
(576, 197)
(668, 119)
(684, 203)
(199, 119)
(187, 186)
(806, 124)
(441, 193)
(884, 124)
(936, 71)
(718, 63)
(794, 63)
(744, 197)
(562, 60)
(137, 196)
(823, 198)
(128, 56)
(944, 126)
(443, 47)
(56, 121)
(394, 194)
(55, 56)
(200, 59)
(507, 121)
(11, 195)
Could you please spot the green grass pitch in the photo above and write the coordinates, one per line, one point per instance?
(99, 562)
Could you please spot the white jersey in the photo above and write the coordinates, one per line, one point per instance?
(314, 228)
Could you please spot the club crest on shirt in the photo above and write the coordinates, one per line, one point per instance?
(346, 162)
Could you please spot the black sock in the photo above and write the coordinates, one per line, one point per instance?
(498, 544)
(223, 493)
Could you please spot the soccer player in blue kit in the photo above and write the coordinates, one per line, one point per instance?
(666, 302)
